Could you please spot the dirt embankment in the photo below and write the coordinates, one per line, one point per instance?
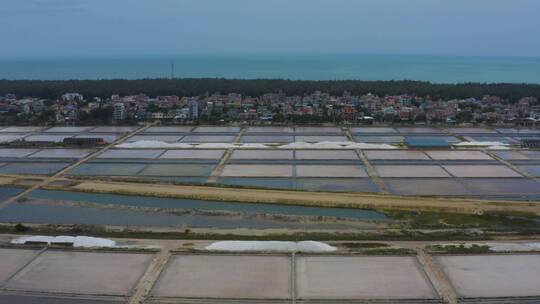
(325, 199)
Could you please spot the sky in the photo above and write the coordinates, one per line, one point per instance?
(88, 28)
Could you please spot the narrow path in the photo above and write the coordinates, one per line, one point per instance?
(293, 278)
(437, 277)
(149, 279)
(61, 173)
(369, 168)
(221, 165)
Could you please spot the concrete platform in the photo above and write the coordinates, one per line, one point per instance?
(12, 260)
(82, 273)
(225, 276)
(356, 278)
(493, 275)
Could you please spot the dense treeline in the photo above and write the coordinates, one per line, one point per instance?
(192, 87)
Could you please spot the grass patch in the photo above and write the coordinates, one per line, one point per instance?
(495, 221)
(458, 249)
(351, 245)
(100, 231)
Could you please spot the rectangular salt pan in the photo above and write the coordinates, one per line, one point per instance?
(266, 139)
(330, 171)
(12, 260)
(458, 155)
(481, 171)
(208, 139)
(209, 129)
(340, 277)
(20, 129)
(67, 129)
(61, 153)
(373, 130)
(16, 153)
(113, 129)
(192, 154)
(493, 276)
(164, 138)
(257, 171)
(317, 130)
(319, 138)
(48, 138)
(396, 155)
(131, 153)
(269, 130)
(410, 171)
(262, 154)
(328, 155)
(225, 277)
(82, 273)
(178, 129)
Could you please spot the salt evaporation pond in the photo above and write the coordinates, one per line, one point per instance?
(169, 203)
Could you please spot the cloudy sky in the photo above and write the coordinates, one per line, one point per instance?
(81, 28)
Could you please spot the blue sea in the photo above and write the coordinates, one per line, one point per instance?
(433, 68)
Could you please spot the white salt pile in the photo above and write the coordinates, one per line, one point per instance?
(370, 146)
(251, 146)
(479, 144)
(304, 246)
(214, 146)
(78, 241)
(297, 145)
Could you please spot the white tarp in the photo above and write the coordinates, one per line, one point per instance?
(78, 241)
(304, 246)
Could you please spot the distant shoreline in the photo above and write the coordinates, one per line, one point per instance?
(257, 87)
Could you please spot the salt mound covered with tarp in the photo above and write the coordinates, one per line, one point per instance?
(304, 246)
(370, 146)
(78, 241)
(480, 144)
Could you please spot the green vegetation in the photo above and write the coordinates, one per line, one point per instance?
(458, 249)
(100, 231)
(193, 87)
(492, 221)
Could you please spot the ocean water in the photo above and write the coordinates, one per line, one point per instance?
(434, 68)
